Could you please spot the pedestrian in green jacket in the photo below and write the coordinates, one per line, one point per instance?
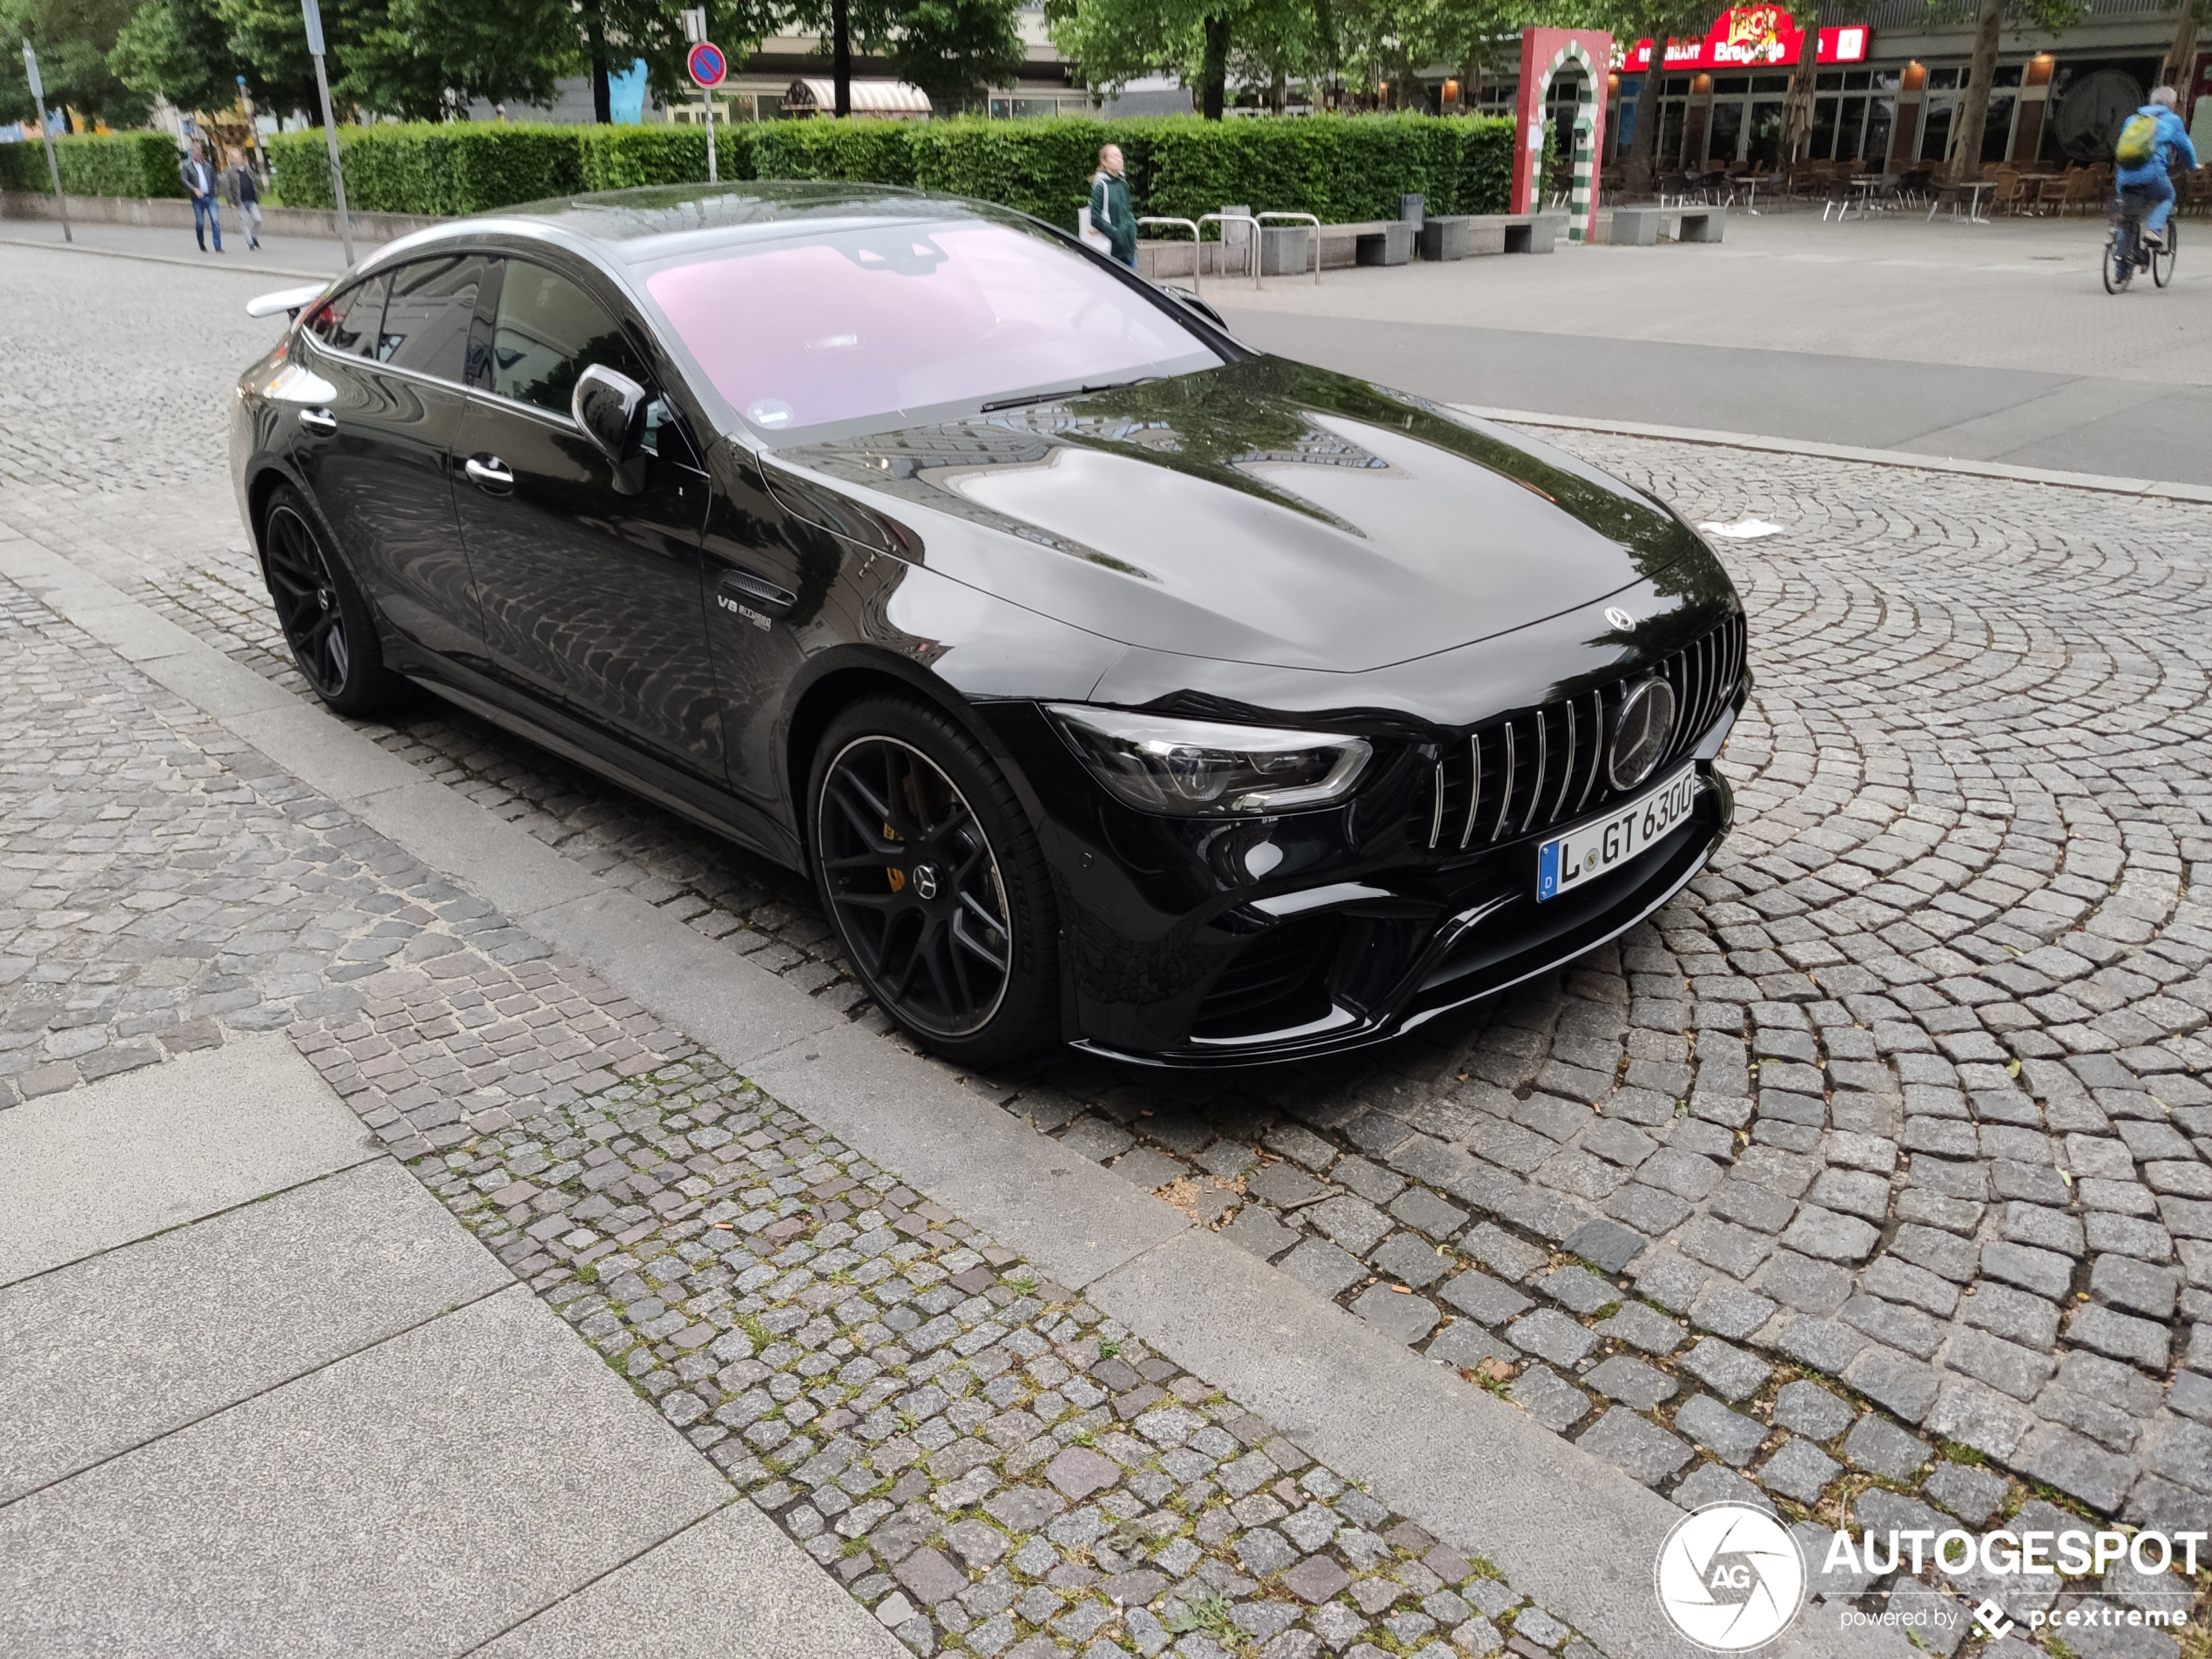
(1110, 214)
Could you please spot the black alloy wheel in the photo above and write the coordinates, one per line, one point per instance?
(934, 880)
(325, 620)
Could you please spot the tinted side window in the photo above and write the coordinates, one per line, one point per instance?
(426, 320)
(350, 321)
(548, 332)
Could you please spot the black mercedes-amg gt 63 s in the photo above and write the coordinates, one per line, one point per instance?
(1114, 683)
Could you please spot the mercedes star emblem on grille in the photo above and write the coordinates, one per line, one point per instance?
(1641, 730)
(1619, 619)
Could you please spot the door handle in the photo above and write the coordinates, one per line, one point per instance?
(743, 587)
(321, 422)
(488, 472)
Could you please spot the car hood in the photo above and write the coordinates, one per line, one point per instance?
(1264, 512)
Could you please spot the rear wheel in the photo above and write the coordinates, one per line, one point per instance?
(326, 620)
(2162, 259)
(935, 881)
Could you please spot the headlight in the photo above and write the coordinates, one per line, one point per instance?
(1197, 769)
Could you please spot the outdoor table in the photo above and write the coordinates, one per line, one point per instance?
(1750, 181)
(1975, 194)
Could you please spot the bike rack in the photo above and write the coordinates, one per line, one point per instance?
(1197, 258)
(1238, 219)
(1310, 219)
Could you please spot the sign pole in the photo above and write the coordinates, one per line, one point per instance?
(46, 138)
(708, 68)
(312, 13)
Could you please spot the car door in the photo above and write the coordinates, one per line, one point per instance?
(590, 600)
(374, 454)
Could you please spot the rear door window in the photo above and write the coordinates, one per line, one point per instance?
(349, 323)
(426, 320)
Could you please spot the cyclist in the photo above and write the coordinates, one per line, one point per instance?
(2140, 176)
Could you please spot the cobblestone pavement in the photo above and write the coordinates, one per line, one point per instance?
(975, 1452)
(1872, 1176)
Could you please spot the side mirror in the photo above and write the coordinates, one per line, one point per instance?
(610, 410)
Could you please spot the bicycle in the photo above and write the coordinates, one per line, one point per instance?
(2126, 253)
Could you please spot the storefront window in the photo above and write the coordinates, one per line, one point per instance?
(1881, 119)
(1828, 80)
(1935, 130)
(1856, 80)
(1824, 129)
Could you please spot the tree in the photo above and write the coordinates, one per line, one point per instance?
(955, 50)
(178, 49)
(73, 38)
(1117, 41)
(1972, 114)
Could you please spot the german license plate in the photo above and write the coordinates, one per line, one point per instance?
(1566, 862)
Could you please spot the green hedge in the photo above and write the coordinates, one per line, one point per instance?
(432, 167)
(1336, 167)
(96, 163)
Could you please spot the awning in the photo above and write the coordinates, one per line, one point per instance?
(869, 97)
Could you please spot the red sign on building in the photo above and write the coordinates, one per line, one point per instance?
(1752, 37)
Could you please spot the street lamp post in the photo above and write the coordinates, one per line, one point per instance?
(53, 166)
(312, 13)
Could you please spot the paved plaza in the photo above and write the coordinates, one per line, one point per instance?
(1990, 342)
(1872, 1181)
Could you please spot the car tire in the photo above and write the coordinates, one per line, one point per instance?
(326, 620)
(931, 876)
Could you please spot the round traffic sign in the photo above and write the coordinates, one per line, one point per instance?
(706, 64)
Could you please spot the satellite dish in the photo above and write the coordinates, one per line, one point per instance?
(2092, 110)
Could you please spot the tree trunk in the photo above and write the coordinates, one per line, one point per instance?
(1797, 119)
(841, 53)
(1972, 114)
(1213, 76)
(595, 39)
(1643, 143)
(2180, 70)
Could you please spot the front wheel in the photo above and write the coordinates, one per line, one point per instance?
(2120, 262)
(2162, 259)
(929, 870)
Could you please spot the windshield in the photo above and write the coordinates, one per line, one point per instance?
(896, 320)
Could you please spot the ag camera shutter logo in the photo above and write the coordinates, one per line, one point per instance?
(1729, 1577)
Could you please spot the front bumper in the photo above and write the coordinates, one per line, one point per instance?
(1502, 938)
(1217, 944)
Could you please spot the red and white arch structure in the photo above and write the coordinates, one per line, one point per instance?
(1544, 52)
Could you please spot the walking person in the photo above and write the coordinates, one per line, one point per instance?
(200, 184)
(245, 196)
(1110, 214)
(2145, 143)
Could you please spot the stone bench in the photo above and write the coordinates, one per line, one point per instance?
(1380, 241)
(1517, 233)
(1641, 226)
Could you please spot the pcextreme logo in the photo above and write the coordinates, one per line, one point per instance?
(1730, 1578)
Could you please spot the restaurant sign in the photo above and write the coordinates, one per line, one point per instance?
(1752, 37)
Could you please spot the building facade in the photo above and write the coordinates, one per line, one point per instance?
(1889, 85)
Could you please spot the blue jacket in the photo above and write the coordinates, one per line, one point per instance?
(2171, 135)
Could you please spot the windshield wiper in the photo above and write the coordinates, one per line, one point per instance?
(1047, 397)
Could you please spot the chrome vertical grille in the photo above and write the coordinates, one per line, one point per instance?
(1546, 765)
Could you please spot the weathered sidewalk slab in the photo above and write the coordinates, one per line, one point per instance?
(108, 1354)
(418, 1498)
(84, 1171)
(731, 1585)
